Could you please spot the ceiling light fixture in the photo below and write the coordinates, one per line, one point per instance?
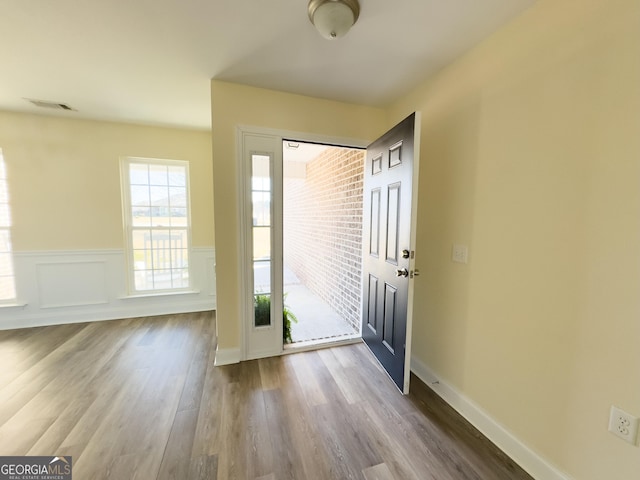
(333, 18)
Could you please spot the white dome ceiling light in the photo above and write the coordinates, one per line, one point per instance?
(333, 18)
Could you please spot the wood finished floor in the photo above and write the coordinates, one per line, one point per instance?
(140, 398)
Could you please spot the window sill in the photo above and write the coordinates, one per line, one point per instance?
(159, 294)
(13, 305)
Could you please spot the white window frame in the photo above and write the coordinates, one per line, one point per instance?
(6, 227)
(129, 228)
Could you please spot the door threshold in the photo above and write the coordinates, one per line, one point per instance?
(321, 343)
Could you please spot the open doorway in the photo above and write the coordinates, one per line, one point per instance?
(322, 241)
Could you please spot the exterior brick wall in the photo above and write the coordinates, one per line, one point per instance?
(323, 229)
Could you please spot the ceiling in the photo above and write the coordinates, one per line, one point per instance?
(151, 61)
(301, 152)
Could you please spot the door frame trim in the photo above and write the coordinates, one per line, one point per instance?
(242, 131)
(415, 181)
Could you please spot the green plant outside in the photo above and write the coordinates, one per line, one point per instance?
(262, 309)
(262, 315)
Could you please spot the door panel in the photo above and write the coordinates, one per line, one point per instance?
(388, 186)
(374, 220)
(372, 298)
(389, 317)
(393, 219)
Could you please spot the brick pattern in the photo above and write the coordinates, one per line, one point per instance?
(323, 229)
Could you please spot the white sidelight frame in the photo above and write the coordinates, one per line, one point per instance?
(262, 341)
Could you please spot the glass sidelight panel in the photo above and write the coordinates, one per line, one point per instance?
(261, 202)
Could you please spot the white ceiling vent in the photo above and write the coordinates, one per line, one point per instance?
(54, 105)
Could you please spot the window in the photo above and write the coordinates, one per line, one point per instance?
(261, 213)
(7, 278)
(157, 223)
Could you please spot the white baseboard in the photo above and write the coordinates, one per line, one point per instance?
(530, 461)
(227, 356)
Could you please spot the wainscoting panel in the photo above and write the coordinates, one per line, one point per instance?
(57, 287)
(71, 284)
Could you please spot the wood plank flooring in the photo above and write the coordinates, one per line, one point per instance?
(141, 399)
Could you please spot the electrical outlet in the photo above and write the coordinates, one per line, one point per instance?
(460, 254)
(623, 425)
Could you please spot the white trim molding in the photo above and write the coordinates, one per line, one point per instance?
(227, 356)
(56, 287)
(268, 141)
(529, 460)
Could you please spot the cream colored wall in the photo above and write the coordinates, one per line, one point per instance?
(64, 178)
(234, 105)
(531, 157)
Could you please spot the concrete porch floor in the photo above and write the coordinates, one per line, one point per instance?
(316, 319)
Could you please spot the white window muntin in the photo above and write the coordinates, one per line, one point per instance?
(157, 218)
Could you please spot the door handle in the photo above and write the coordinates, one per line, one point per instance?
(402, 272)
